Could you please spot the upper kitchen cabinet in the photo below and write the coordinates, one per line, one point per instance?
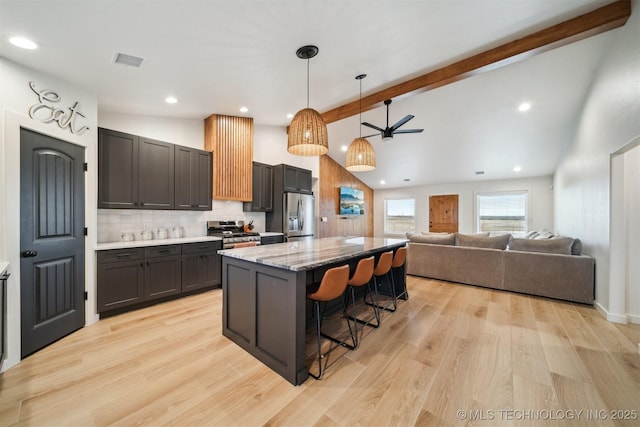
(134, 172)
(230, 139)
(296, 180)
(262, 200)
(156, 174)
(117, 170)
(193, 179)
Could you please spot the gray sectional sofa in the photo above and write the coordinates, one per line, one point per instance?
(549, 266)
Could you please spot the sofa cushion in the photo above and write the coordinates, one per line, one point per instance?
(482, 241)
(557, 245)
(433, 238)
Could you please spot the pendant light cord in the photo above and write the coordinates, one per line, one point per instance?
(307, 82)
(360, 107)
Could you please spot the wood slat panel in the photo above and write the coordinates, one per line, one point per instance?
(230, 139)
(590, 24)
(332, 177)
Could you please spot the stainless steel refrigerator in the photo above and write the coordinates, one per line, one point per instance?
(298, 216)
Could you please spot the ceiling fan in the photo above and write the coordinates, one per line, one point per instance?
(388, 132)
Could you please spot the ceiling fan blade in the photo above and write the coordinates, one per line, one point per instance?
(402, 121)
(372, 126)
(369, 136)
(409, 131)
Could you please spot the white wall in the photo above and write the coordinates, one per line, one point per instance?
(16, 100)
(610, 120)
(632, 232)
(540, 201)
(187, 132)
(270, 147)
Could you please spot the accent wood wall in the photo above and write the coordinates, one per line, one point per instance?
(230, 139)
(332, 177)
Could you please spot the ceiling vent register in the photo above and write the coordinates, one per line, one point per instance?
(129, 60)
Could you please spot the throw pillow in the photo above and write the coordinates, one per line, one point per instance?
(531, 234)
(576, 247)
(544, 235)
(482, 241)
(434, 239)
(559, 245)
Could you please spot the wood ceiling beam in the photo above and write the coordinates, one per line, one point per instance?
(599, 21)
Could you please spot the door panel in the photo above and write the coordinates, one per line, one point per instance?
(51, 239)
(443, 214)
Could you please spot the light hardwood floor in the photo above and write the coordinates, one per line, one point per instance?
(499, 358)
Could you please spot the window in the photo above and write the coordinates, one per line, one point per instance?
(399, 216)
(502, 212)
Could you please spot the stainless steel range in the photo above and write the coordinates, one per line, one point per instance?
(233, 234)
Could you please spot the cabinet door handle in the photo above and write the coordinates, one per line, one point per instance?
(122, 255)
(29, 254)
(164, 251)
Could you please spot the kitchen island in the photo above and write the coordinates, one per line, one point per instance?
(264, 294)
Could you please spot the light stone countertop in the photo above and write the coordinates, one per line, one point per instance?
(3, 267)
(270, 233)
(155, 242)
(308, 254)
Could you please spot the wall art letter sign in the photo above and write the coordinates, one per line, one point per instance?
(46, 112)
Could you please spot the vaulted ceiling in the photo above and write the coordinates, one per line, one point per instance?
(216, 56)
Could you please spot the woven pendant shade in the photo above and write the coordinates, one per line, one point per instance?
(308, 134)
(360, 156)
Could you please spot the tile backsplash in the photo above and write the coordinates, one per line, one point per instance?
(113, 222)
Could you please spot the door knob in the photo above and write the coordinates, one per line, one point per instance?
(29, 254)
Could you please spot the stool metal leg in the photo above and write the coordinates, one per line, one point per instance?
(320, 355)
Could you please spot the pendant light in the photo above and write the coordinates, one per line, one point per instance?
(360, 155)
(307, 131)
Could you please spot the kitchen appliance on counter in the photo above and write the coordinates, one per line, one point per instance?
(232, 234)
(295, 218)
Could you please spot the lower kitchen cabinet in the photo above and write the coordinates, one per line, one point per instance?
(162, 274)
(137, 277)
(201, 265)
(120, 278)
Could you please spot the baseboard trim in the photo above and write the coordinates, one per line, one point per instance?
(634, 318)
(617, 318)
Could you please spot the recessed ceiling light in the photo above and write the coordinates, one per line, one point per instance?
(290, 116)
(344, 148)
(170, 100)
(383, 182)
(525, 106)
(517, 168)
(23, 43)
(243, 109)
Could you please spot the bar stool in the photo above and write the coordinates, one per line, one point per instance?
(398, 267)
(362, 276)
(383, 269)
(332, 286)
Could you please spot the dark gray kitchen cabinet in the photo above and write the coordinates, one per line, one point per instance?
(262, 182)
(137, 277)
(117, 170)
(120, 278)
(163, 271)
(134, 172)
(156, 171)
(201, 265)
(296, 180)
(192, 179)
(270, 240)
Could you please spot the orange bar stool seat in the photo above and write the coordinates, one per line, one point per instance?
(332, 286)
